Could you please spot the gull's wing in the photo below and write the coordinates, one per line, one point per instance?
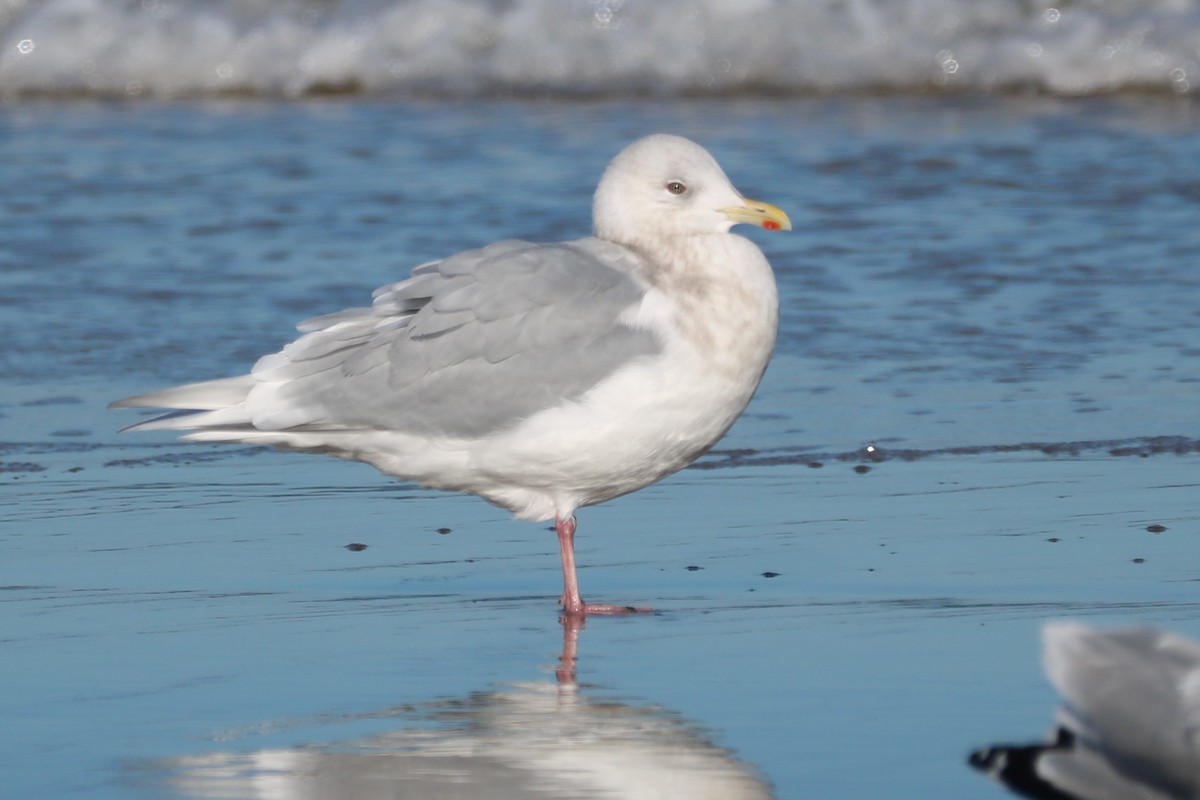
(1130, 729)
(1085, 773)
(467, 346)
(1133, 696)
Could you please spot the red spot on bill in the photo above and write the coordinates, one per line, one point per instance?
(771, 225)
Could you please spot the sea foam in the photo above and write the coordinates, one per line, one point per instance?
(460, 48)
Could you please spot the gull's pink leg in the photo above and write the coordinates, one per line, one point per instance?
(572, 603)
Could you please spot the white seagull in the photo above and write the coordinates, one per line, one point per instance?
(1130, 729)
(541, 377)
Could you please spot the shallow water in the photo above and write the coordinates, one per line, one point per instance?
(983, 396)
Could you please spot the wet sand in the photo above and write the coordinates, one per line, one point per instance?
(180, 619)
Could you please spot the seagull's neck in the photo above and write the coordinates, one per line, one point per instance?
(706, 266)
(723, 293)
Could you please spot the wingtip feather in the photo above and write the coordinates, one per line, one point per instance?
(203, 396)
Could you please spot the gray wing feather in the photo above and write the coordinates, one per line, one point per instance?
(1087, 773)
(1127, 697)
(467, 346)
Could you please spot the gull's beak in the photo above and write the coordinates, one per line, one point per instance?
(760, 214)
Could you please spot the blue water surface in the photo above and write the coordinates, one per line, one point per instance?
(983, 402)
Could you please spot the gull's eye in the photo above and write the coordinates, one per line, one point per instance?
(675, 187)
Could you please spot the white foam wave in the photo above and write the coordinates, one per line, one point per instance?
(579, 47)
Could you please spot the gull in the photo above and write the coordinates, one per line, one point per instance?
(1130, 728)
(540, 377)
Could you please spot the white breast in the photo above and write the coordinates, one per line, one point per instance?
(656, 415)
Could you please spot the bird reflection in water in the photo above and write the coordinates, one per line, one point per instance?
(529, 740)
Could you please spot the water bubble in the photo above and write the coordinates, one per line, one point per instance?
(1034, 50)
(134, 88)
(1051, 15)
(224, 70)
(948, 61)
(25, 46)
(604, 15)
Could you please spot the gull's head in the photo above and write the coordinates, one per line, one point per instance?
(663, 186)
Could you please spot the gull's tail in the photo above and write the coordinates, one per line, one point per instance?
(219, 406)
